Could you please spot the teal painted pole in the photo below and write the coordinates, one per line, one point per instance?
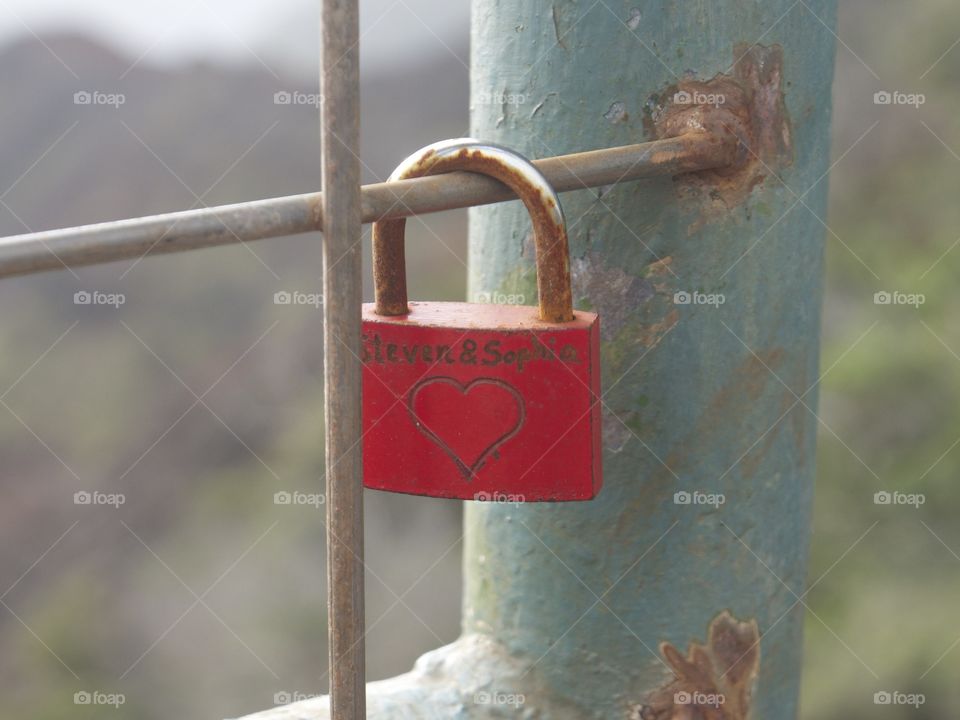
(602, 600)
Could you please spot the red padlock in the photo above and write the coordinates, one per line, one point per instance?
(481, 401)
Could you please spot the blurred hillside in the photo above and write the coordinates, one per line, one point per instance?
(884, 615)
(116, 399)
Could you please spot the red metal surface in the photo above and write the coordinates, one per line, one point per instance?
(481, 402)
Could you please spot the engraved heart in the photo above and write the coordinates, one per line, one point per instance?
(469, 422)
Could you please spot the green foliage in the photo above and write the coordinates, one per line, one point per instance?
(883, 617)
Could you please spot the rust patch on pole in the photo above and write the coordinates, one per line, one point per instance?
(747, 107)
(712, 681)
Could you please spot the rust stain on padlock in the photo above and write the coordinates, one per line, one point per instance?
(553, 256)
(712, 681)
(748, 106)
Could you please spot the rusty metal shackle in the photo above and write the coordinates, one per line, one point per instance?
(514, 171)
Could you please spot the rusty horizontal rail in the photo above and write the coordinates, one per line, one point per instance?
(293, 214)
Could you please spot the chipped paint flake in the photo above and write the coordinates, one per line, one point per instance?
(556, 27)
(540, 104)
(612, 292)
(712, 681)
(616, 113)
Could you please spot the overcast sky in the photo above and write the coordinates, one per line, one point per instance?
(278, 31)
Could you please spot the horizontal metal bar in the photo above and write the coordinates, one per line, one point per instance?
(275, 217)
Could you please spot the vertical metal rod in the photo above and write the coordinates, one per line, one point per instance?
(340, 86)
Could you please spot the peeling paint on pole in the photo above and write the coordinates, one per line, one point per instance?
(748, 104)
(713, 681)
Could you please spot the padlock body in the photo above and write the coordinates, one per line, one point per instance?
(481, 402)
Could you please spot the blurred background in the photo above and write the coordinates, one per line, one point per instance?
(188, 398)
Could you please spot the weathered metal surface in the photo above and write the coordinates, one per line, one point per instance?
(524, 180)
(462, 680)
(481, 402)
(713, 681)
(699, 398)
(342, 285)
(275, 217)
(753, 111)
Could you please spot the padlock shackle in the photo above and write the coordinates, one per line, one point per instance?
(514, 171)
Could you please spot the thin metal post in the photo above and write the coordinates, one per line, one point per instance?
(340, 85)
